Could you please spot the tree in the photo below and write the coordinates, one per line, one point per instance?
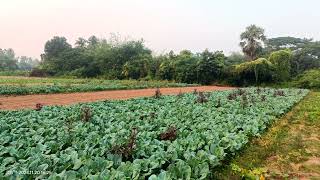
(281, 61)
(305, 58)
(55, 46)
(136, 69)
(27, 63)
(93, 40)
(81, 42)
(54, 49)
(166, 69)
(8, 61)
(279, 43)
(210, 66)
(235, 58)
(252, 41)
(185, 69)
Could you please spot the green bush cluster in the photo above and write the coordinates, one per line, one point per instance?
(274, 69)
(309, 79)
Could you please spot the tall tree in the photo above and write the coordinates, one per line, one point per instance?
(252, 41)
(305, 58)
(55, 46)
(93, 40)
(8, 60)
(210, 66)
(54, 49)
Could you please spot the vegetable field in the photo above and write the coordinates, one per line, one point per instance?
(10, 85)
(164, 137)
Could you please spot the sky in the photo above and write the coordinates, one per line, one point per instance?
(26, 25)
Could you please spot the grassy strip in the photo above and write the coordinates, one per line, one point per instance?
(289, 149)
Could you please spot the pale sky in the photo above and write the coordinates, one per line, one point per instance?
(25, 25)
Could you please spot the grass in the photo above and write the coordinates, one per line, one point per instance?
(289, 149)
(14, 73)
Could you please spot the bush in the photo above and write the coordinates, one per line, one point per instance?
(36, 72)
(309, 79)
(282, 62)
(185, 70)
(257, 71)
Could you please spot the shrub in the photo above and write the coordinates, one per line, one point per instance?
(257, 71)
(281, 61)
(36, 72)
(309, 79)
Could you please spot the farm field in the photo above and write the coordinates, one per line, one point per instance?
(181, 136)
(16, 85)
(30, 101)
(159, 90)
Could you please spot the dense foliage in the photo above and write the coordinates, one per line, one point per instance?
(256, 71)
(23, 85)
(115, 58)
(274, 69)
(129, 60)
(305, 52)
(178, 137)
(306, 58)
(281, 61)
(309, 79)
(276, 44)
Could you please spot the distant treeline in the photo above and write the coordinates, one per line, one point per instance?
(9, 61)
(263, 60)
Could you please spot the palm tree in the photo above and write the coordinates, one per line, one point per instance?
(252, 41)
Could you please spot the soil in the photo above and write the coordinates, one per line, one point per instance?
(30, 101)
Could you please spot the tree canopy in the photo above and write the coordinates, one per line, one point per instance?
(252, 41)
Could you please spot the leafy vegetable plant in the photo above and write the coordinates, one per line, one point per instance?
(143, 138)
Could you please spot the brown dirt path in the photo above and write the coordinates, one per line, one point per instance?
(29, 101)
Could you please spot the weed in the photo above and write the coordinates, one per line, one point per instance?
(218, 103)
(201, 98)
(278, 93)
(39, 106)
(126, 150)
(244, 101)
(241, 92)
(180, 94)
(169, 134)
(195, 91)
(157, 93)
(86, 114)
(258, 90)
(232, 96)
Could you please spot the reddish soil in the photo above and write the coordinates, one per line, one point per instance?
(30, 101)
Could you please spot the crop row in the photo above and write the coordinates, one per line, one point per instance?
(164, 137)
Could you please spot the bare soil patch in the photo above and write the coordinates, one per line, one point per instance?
(30, 101)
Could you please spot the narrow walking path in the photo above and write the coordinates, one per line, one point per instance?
(30, 101)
